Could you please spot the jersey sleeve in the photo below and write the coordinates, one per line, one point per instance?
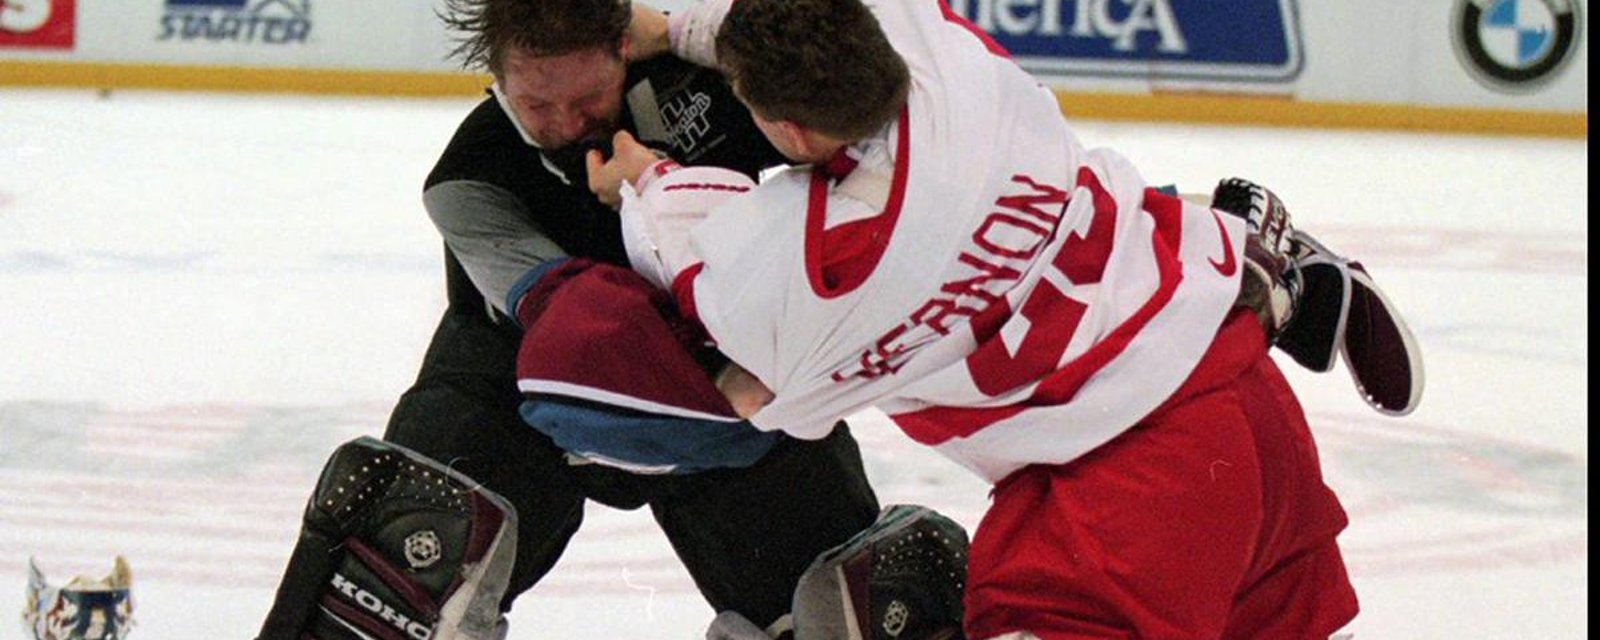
(501, 212)
(611, 372)
(659, 212)
(693, 31)
(487, 229)
(755, 296)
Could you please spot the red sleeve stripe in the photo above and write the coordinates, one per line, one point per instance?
(706, 186)
(683, 291)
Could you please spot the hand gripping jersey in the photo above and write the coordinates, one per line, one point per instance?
(1021, 299)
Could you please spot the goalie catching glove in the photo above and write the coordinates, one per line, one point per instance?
(1316, 304)
(395, 546)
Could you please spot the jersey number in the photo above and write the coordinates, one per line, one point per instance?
(1052, 315)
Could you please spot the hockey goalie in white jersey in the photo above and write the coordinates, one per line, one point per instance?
(951, 254)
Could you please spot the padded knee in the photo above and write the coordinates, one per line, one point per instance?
(901, 578)
(396, 546)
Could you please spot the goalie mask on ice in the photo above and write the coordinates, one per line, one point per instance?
(83, 609)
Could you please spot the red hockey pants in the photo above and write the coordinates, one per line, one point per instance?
(1208, 519)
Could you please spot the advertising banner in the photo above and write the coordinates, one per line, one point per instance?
(1516, 45)
(1459, 65)
(271, 22)
(1227, 40)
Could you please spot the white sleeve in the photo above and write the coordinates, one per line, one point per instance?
(657, 216)
(693, 31)
(755, 299)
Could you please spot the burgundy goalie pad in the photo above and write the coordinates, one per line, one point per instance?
(1341, 311)
(1315, 331)
(395, 546)
(901, 579)
(1317, 304)
(1379, 349)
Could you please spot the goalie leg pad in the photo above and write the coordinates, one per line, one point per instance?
(1379, 349)
(901, 578)
(1342, 312)
(1313, 335)
(1318, 305)
(395, 546)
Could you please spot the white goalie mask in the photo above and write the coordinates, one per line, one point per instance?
(83, 609)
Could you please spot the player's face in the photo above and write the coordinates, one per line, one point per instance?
(564, 99)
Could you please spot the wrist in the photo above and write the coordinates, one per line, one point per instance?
(655, 170)
(649, 32)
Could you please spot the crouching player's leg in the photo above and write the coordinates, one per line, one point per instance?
(395, 545)
(900, 579)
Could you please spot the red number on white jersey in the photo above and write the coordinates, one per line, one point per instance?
(1053, 316)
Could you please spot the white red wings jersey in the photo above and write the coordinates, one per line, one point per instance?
(1026, 300)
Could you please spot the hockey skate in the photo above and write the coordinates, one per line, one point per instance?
(1317, 304)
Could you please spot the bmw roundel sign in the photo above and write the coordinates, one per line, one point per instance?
(1516, 45)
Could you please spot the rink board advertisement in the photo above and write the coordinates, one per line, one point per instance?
(1208, 60)
(1146, 39)
(267, 23)
(37, 24)
(283, 34)
(1517, 46)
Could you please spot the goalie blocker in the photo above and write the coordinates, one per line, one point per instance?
(395, 546)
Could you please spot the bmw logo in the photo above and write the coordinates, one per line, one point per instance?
(1516, 45)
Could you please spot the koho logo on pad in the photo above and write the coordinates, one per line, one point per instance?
(1155, 39)
(43, 24)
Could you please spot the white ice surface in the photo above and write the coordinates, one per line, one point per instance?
(201, 295)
